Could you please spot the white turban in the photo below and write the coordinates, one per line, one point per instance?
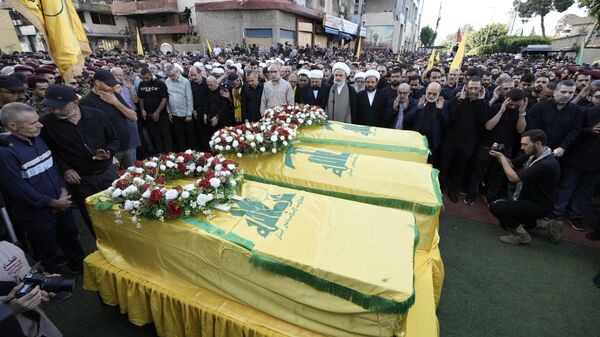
(317, 74)
(342, 66)
(304, 72)
(208, 66)
(218, 71)
(179, 67)
(228, 62)
(372, 72)
(359, 75)
(199, 65)
(216, 65)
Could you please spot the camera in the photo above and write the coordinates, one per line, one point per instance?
(498, 147)
(50, 284)
(224, 86)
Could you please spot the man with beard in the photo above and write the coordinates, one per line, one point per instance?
(11, 90)
(428, 119)
(216, 108)
(400, 105)
(153, 96)
(395, 80)
(359, 82)
(383, 72)
(539, 84)
(466, 114)
(537, 175)
(341, 105)
(82, 140)
(453, 76)
(486, 81)
(414, 82)
(38, 86)
(370, 103)
(582, 81)
(559, 119)
(199, 91)
(180, 107)
(526, 82)
(504, 122)
(502, 90)
(251, 95)
(276, 91)
(318, 94)
(303, 84)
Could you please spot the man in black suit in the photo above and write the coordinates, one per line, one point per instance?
(371, 102)
(318, 93)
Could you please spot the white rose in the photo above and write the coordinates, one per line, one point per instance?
(128, 205)
(285, 143)
(253, 144)
(179, 159)
(171, 194)
(148, 178)
(218, 167)
(192, 167)
(273, 138)
(231, 167)
(232, 183)
(259, 138)
(170, 164)
(235, 143)
(274, 150)
(185, 194)
(117, 193)
(150, 164)
(137, 181)
(239, 155)
(189, 151)
(214, 182)
(136, 204)
(262, 149)
(309, 122)
(189, 187)
(250, 137)
(163, 167)
(217, 140)
(146, 194)
(228, 147)
(139, 170)
(199, 169)
(131, 189)
(229, 139)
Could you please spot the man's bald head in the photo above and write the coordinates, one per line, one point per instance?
(212, 84)
(433, 92)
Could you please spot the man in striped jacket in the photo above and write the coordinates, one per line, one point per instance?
(37, 192)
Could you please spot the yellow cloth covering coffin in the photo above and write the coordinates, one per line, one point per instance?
(379, 142)
(181, 309)
(364, 255)
(379, 181)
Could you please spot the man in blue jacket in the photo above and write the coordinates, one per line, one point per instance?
(39, 198)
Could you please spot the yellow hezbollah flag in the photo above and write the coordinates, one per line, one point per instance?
(437, 56)
(59, 23)
(359, 48)
(209, 47)
(140, 49)
(431, 59)
(460, 54)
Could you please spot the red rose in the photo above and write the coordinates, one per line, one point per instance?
(163, 158)
(160, 180)
(187, 157)
(122, 183)
(243, 145)
(227, 162)
(155, 196)
(145, 187)
(207, 155)
(181, 167)
(121, 172)
(139, 163)
(204, 183)
(202, 161)
(209, 175)
(173, 209)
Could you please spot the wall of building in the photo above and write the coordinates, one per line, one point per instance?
(120, 25)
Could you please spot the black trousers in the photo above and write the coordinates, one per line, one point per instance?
(453, 164)
(496, 177)
(203, 133)
(89, 185)
(184, 133)
(49, 233)
(160, 132)
(512, 213)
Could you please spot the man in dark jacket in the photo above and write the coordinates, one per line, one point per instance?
(318, 93)
(399, 105)
(251, 95)
(217, 109)
(428, 119)
(39, 200)
(371, 102)
(199, 91)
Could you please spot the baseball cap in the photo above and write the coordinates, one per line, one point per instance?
(232, 77)
(11, 83)
(106, 77)
(58, 95)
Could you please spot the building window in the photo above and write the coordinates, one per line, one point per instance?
(287, 34)
(102, 19)
(81, 17)
(322, 2)
(266, 33)
(356, 7)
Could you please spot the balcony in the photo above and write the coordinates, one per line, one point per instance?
(127, 7)
(181, 29)
(102, 6)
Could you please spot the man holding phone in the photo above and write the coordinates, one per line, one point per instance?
(83, 142)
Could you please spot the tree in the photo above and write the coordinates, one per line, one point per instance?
(427, 36)
(450, 39)
(486, 35)
(593, 7)
(541, 8)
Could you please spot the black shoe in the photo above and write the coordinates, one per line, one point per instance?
(596, 280)
(593, 236)
(470, 199)
(61, 296)
(577, 224)
(552, 216)
(452, 195)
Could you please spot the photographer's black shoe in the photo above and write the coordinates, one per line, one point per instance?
(576, 224)
(470, 199)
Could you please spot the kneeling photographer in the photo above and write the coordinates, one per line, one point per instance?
(23, 289)
(537, 175)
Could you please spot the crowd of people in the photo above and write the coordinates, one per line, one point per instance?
(522, 133)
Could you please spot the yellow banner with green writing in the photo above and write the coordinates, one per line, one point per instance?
(379, 142)
(274, 248)
(58, 21)
(379, 181)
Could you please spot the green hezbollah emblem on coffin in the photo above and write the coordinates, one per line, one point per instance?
(266, 214)
(337, 162)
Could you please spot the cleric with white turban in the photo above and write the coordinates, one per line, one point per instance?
(342, 97)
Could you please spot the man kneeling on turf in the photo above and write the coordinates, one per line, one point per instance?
(537, 175)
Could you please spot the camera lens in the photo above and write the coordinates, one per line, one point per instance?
(58, 284)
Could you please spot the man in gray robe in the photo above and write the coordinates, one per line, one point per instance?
(341, 105)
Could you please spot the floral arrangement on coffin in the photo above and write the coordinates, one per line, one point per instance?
(299, 115)
(142, 189)
(253, 138)
(272, 133)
